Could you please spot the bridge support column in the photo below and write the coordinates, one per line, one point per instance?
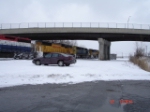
(104, 49)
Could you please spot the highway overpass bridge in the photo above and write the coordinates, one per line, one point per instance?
(104, 33)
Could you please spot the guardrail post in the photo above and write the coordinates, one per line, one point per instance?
(38, 25)
(133, 26)
(128, 25)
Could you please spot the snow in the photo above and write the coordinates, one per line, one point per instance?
(20, 72)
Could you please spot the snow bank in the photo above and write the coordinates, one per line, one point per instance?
(19, 72)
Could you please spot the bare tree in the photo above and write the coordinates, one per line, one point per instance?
(139, 50)
(82, 46)
(149, 54)
(74, 43)
(70, 42)
(67, 42)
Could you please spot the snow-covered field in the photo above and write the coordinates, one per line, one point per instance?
(19, 72)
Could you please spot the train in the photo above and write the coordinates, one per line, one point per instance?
(78, 52)
(22, 48)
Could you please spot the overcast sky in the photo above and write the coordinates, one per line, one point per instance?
(115, 11)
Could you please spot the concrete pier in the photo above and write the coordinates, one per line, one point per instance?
(104, 49)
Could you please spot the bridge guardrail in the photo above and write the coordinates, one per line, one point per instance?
(73, 25)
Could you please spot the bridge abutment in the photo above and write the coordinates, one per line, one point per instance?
(104, 49)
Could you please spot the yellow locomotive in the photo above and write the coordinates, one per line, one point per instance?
(46, 47)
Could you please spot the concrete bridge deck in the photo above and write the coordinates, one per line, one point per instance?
(81, 32)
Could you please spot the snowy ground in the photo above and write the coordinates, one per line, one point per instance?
(19, 72)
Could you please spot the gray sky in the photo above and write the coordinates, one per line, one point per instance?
(115, 11)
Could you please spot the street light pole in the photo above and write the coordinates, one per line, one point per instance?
(128, 21)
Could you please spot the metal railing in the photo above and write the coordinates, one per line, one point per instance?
(73, 25)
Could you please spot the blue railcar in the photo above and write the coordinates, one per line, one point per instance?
(11, 45)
